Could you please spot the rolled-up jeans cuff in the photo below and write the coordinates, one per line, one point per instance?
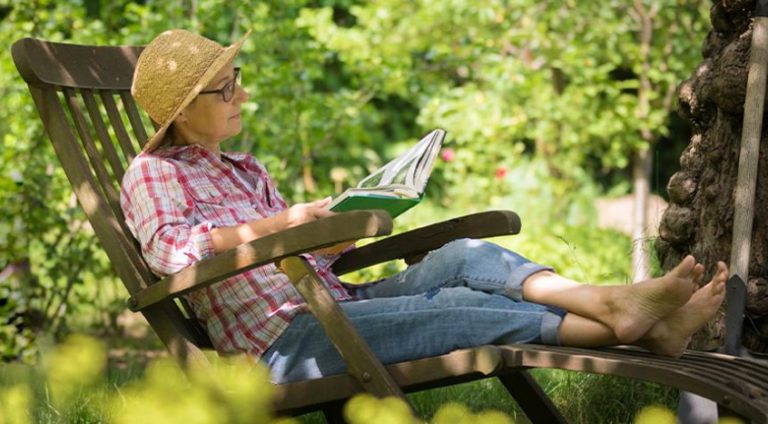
(514, 286)
(550, 329)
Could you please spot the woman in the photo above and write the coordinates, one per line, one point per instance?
(184, 199)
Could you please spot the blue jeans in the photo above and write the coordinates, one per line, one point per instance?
(467, 293)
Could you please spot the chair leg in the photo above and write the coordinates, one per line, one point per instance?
(531, 398)
(362, 363)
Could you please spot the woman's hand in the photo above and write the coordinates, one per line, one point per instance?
(302, 213)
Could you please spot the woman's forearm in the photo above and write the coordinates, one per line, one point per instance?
(224, 238)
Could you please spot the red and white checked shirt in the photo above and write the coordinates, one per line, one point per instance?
(173, 197)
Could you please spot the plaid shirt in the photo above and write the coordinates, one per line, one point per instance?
(173, 197)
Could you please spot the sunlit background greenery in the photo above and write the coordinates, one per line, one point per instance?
(545, 104)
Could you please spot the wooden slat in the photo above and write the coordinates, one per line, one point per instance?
(95, 159)
(457, 367)
(123, 139)
(70, 65)
(107, 146)
(134, 118)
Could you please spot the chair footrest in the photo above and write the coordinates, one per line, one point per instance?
(739, 384)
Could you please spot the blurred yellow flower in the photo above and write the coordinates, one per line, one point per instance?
(15, 402)
(655, 415)
(73, 367)
(365, 408)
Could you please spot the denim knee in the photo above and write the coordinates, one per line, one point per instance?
(482, 260)
(452, 254)
(476, 264)
(466, 255)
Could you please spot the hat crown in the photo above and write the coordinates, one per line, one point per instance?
(169, 68)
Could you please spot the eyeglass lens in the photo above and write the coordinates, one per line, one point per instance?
(229, 90)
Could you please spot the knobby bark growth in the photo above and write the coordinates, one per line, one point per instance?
(700, 217)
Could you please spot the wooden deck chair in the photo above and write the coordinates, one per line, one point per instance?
(82, 94)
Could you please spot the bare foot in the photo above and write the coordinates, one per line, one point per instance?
(670, 336)
(636, 308)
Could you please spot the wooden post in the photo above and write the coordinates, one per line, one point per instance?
(744, 207)
(362, 363)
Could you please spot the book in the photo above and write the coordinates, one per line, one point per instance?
(397, 186)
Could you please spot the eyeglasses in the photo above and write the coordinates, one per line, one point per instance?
(228, 91)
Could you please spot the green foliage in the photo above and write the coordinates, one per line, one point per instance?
(15, 338)
(567, 80)
(70, 387)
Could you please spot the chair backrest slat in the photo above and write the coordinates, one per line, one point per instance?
(123, 139)
(133, 116)
(97, 164)
(63, 78)
(107, 145)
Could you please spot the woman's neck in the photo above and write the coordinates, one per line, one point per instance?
(180, 139)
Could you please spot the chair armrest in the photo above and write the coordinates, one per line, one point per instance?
(307, 237)
(412, 245)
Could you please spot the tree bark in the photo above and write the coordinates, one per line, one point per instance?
(699, 219)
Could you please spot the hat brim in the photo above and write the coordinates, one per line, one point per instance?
(226, 56)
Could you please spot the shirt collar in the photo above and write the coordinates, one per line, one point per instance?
(195, 153)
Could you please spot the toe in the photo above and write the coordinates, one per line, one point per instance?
(685, 267)
(697, 275)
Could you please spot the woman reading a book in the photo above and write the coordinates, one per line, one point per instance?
(185, 199)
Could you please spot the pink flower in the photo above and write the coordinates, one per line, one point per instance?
(448, 154)
(501, 172)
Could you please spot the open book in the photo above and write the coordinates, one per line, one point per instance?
(398, 185)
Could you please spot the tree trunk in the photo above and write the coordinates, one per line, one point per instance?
(699, 219)
(641, 169)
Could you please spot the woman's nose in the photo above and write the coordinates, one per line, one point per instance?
(241, 95)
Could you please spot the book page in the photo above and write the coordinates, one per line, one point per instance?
(427, 160)
(405, 168)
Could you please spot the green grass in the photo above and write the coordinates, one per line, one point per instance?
(581, 397)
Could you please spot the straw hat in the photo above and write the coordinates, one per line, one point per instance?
(171, 72)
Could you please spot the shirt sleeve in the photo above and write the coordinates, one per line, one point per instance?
(159, 214)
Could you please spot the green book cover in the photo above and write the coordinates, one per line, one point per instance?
(393, 205)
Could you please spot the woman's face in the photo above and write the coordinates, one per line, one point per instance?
(209, 120)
